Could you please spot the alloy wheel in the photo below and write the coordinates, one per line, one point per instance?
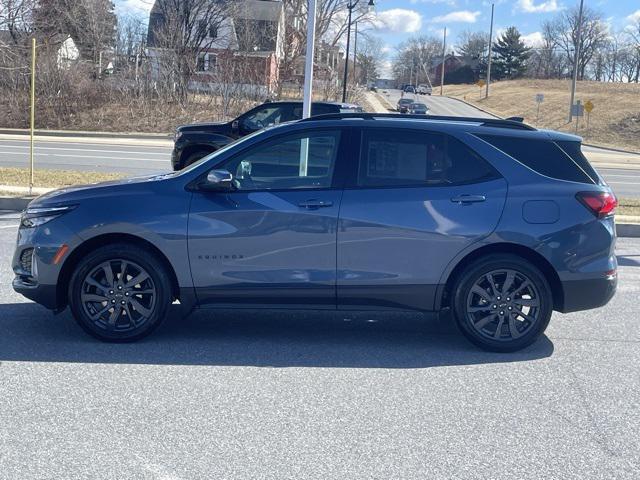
(118, 295)
(503, 305)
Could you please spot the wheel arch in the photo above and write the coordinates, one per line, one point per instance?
(197, 147)
(444, 297)
(91, 244)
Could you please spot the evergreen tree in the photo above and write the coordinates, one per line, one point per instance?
(511, 55)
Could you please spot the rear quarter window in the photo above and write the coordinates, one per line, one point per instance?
(574, 150)
(542, 156)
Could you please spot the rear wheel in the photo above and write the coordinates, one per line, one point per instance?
(119, 293)
(502, 303)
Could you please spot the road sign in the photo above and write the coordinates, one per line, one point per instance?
(481, 83)
(588, 106)
(577, 109)
(539, 97)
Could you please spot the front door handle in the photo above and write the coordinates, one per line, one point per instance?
(315, 204)
(468, 199)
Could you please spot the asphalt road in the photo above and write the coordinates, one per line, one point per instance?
(109, 155)
(304, 395)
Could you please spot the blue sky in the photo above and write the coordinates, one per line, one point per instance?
(398, 20)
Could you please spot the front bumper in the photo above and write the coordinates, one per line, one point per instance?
(45, 295)
(588, 294)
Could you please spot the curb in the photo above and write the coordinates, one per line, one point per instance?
(72, 133)
(620, 150)
(474, 106)
(384, 102)
(629, 230)
(15, 203)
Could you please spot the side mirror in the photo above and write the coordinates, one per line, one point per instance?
(218, 181)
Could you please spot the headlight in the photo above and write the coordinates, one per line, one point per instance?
(34, 217)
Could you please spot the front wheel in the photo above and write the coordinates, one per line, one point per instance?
(194, 157)
(119, 293)
(502, 303)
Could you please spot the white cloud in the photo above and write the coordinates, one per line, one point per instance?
(634, 17)
(529, 6)
(532, 39)
(398, 20)
(386, 49)
(465, 16)
(451, 3)
(386, 69)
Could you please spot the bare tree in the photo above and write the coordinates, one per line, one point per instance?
(415, 58)
(15, 17)
(181, 32)
(370, 58)
(593, 36)
(473, 45)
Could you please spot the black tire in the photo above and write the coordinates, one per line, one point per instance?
(500, 321)
(194, 157)
(141, 307)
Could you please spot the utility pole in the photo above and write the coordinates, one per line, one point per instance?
(355, 54)
(308, 63)
(486, 95)
(346, 58)
(444, 50)
(575, 62)
(32, 120)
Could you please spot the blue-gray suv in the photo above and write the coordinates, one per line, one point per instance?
(495, 220)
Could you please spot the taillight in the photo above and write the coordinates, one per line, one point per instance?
(600, 204)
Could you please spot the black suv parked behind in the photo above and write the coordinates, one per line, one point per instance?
(192, 142)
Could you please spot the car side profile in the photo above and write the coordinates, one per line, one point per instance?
(194, 141)
(492, 219)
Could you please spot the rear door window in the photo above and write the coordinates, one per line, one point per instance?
(542, 156)
(399, 157)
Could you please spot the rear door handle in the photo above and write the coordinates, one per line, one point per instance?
(315, 204)
(468, 198)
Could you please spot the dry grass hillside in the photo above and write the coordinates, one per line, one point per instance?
(615, 119)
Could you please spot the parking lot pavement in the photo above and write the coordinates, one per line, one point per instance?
(309, 395)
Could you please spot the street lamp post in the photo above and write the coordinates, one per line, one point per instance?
(350, 7)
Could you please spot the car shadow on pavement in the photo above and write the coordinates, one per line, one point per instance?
(28, 332)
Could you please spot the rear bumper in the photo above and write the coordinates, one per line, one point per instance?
(45, 295)
(588, 294)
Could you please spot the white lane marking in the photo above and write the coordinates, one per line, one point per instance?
(9, 226)
(625, 183)
(90, 157)
(86, 150)
(611, 175)
(124, 145)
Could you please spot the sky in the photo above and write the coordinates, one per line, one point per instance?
(398, 20)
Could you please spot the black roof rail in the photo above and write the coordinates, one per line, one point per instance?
(487, 122)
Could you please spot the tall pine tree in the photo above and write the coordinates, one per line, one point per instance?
(511, 55)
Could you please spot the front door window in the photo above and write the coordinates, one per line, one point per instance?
(304, 160)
